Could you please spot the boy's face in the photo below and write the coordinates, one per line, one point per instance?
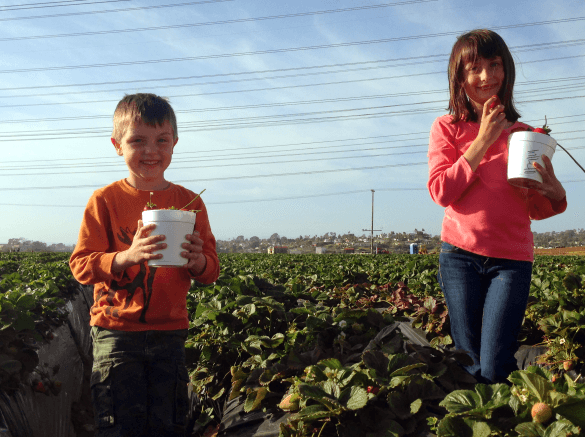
(147, 151)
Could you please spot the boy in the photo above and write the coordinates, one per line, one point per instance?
(139, 317)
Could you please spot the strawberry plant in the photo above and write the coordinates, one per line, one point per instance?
(151, 206)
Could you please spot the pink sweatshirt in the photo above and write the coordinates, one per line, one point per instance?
(484, 214)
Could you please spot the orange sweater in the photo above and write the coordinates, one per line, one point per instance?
(140, 298)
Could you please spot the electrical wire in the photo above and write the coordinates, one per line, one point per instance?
(284, 50)
(214, 23)
(60, 4)
(303, 173)
(424, 59)
(107, 11)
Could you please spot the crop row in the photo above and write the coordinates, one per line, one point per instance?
(315, 341)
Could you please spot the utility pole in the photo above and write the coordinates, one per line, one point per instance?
(372, 228)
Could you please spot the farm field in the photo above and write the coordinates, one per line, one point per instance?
(562, 251)
(310, 345)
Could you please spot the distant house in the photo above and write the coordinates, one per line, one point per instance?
(320, 249)
(277, 249)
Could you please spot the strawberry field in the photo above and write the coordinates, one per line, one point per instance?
(321, 345)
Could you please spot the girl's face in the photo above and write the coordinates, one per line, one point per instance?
(482, 80)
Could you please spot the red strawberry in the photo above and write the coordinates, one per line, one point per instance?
(495, 102)
(39, 387)
(567, 365)
(373, 390)
(544, 129)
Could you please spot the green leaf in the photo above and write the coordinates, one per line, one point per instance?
(530, 429)
(254, 399)
(573, 410)
(314, 412)
(560, 428)
(24, 321)
(358, 398)
(415, 406)
(312, 391)
(332, 363)
(26, 302)
(376, 360)
(461, 401)
(536, 384)
(481, 429)
(454, 426)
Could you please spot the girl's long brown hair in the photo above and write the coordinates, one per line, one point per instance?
(480, 43)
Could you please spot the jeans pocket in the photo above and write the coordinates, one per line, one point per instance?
(181, 396)
(101, 396)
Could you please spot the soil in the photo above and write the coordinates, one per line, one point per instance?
(580, 250)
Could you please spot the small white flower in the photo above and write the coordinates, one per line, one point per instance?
(562, 341)
(523, 398)
(341, 336)
(342, 324)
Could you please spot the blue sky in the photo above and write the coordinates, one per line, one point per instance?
(287, 122)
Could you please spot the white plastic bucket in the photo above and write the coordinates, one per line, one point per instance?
(524, 148)
(174, 225)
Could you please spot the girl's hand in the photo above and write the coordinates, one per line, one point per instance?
(197, 260)
(141, 249)
(551, 187)
(493, 121)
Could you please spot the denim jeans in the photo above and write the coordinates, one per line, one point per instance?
(139, 383)
(486, 298)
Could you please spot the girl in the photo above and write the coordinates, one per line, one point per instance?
(486, 256)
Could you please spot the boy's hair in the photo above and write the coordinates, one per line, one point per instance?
(468, 48)
(147, 108)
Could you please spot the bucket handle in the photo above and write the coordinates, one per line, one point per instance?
(571, 157)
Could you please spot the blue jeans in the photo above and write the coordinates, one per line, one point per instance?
(486, 298)
(139, 383)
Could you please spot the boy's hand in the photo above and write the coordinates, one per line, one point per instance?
(197, 261)
(141, 249)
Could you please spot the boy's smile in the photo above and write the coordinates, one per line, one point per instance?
(147, 151)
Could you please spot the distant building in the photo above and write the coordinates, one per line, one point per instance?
(349, 250)
(320, 249)
(277, 249)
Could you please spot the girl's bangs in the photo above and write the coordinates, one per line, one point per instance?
(479, 48)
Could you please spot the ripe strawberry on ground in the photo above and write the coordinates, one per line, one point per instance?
(541, 412)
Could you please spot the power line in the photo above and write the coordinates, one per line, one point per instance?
(107, 11)
(419, 60)
(259, 121)
(285, 50)
(304, 173)
(60, 4)
(214, 23)
(231, 156)
(252, 79)
(264, 89)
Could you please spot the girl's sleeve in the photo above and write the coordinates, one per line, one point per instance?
(449, 175)
(90, 262)
(211, 272)
(541, 207)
